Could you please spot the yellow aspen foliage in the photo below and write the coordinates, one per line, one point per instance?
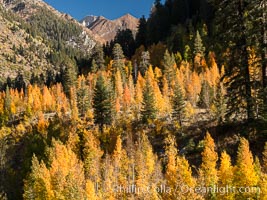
(178, 174)
(263, 186)
(158, 74)
(2, 103)
(222, 71)
(20, 129)
(39, 183)
(264, 158)
(92, 156)
(108, 180)
(73, 103)
(138, 96)
(225, 172)
(80, 80)
(37, 98)
(144, 165)
(117, 105)
(150, 74)
(61, 99)
(196, 88)
(189, 110)
(244, 172)
(138, 93)
(254, 67)
(180, 79)
(47, 100)
(42, 124)
(66, 172)
(120, 163)
(131, 88)
(225, 176)
(165, 88)
(126, 98)
(90, 190)
(118, 85)
(13, 108)
(208, 172)
(161, 105)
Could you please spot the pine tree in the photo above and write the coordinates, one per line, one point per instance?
(169, 66)
(102, 102)
(220, 102)
(142, 32)
(7, 102)
(83, 97)
(144, 63)
(206, 95)
(232, 25)
(149, 110)
(98, 57)
(118, 57)
(69, 75)
(199, 49)
(178, 104)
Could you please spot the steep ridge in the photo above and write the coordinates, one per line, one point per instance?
(20, 53)
(106, 28)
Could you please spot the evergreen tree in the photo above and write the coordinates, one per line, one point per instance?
(220, 102)
(178, 104)
(144, 63)
(169, 63)
(69, 75)
(102, 102)
(232, 27)
(94, 66)
(206, 95)
(118, 57)
(7, 101)
(83, 97)
(126, 40)
(98, 57)
(198, 46)
(141, 36)
(149, 110)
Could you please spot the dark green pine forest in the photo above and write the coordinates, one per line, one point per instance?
(181, 104)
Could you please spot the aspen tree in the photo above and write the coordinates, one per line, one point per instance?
(245, 174)
(208, 172)
(225, 176)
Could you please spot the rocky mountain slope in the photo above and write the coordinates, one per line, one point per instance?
(30, 10)
(106, 28)
(19, 51)
(35, 38)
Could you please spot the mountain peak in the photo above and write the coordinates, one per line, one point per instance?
(108, 29)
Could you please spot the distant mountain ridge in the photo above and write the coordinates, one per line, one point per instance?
(107, 29)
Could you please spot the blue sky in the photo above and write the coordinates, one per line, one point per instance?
(111, 9)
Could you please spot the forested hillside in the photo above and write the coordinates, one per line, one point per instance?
(177, 112)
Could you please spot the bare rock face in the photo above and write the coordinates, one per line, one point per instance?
(107, 29)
